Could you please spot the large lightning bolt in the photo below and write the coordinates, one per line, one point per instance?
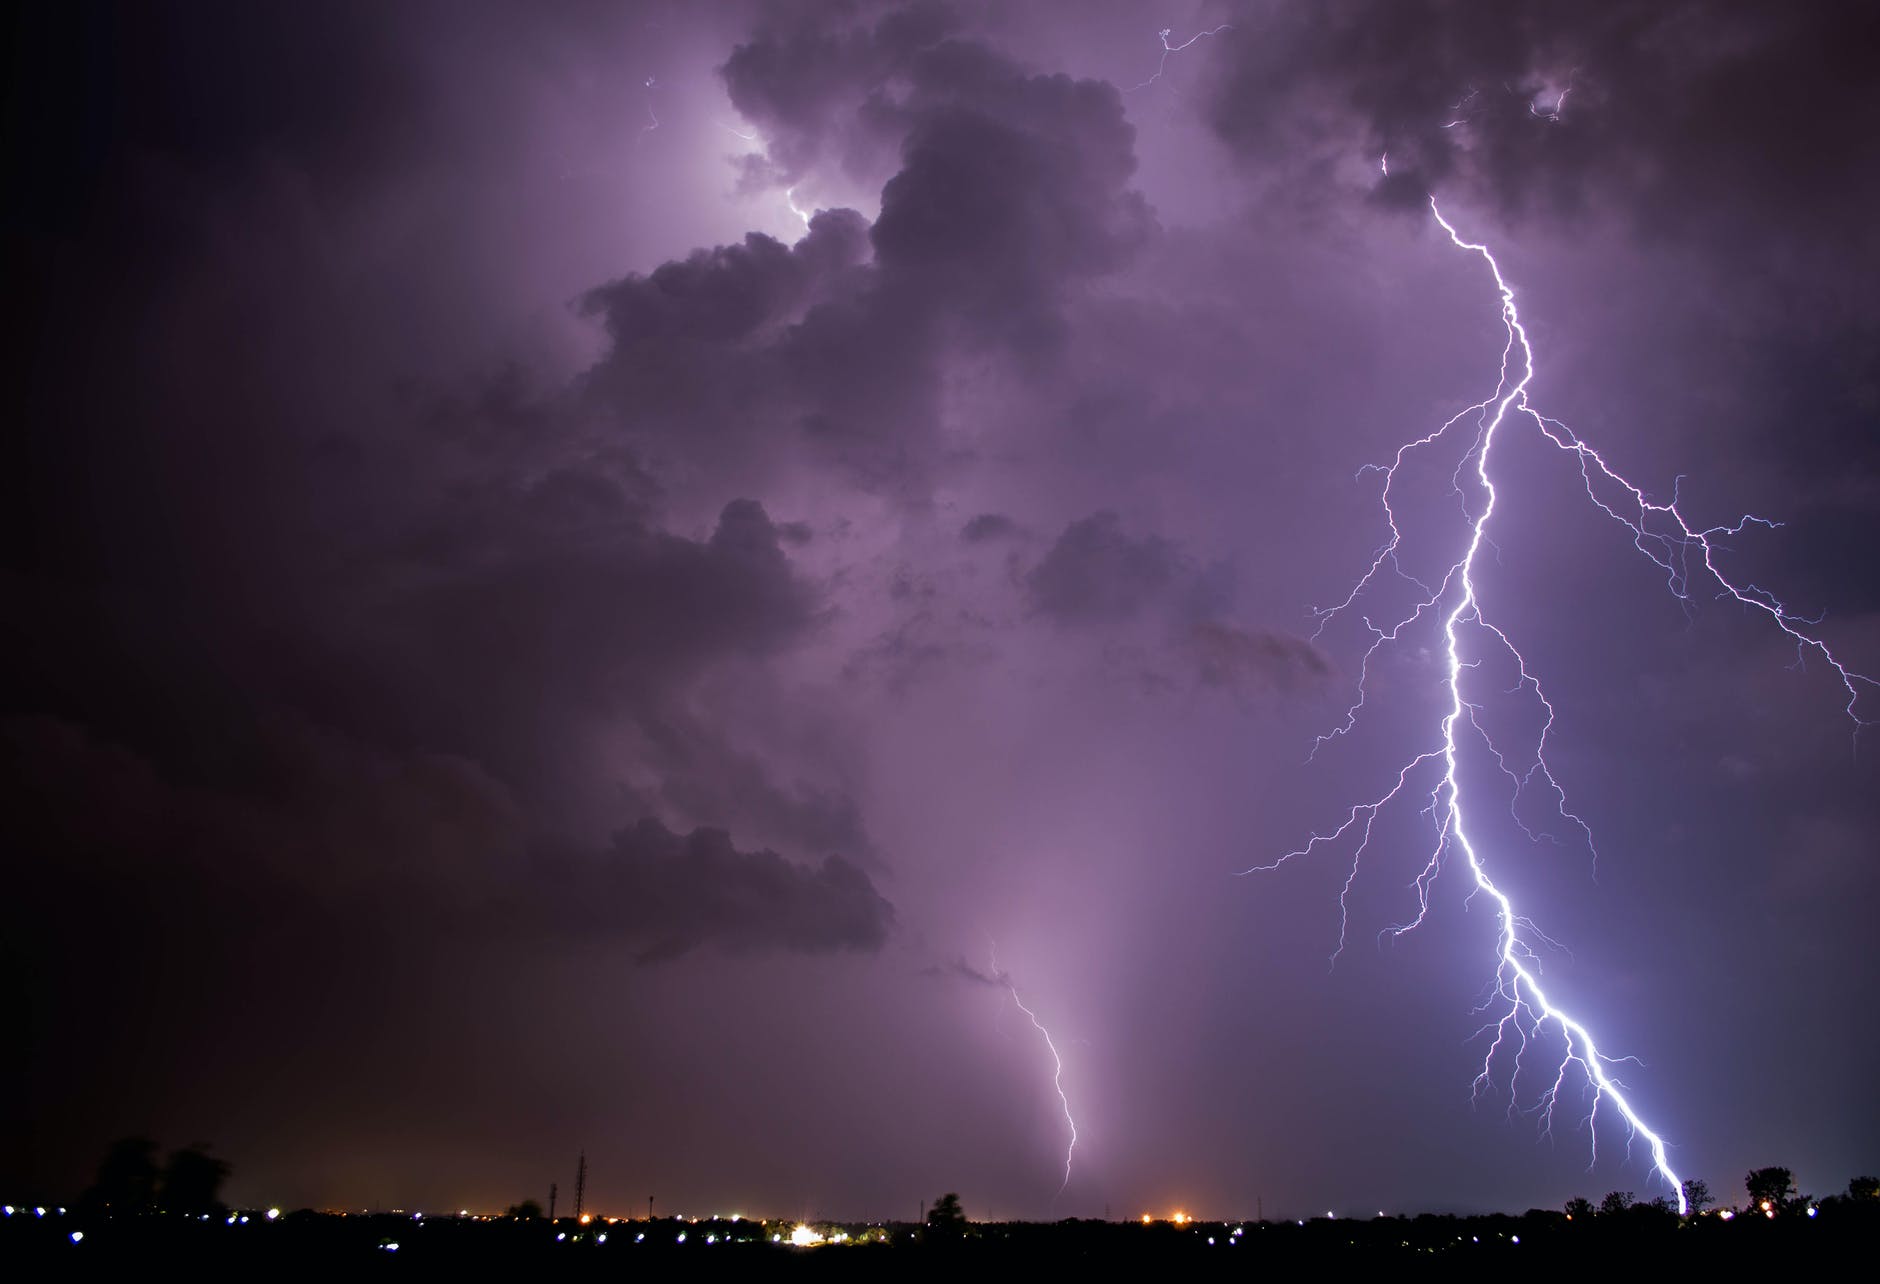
(1522, 1009)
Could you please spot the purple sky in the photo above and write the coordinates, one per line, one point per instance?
(519, 643)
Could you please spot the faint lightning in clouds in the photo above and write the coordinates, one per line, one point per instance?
(1523, 1011)
(789, 198)
(1168, 50)
(651, 115)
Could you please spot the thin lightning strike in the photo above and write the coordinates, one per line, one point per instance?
(651, 115)
(1057, 1063)
(1057, 1081)
(1685, 553)
(1168, 49)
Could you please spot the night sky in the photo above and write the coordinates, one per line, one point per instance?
(517, 640)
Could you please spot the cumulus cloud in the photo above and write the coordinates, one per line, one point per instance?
(1003, 195)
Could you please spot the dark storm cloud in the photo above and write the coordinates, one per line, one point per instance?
(1240, 659)
(292, 582)
(428, 847)
(681, 892)
(1097, 572)
(1685, 116)
(988, 526)
(706, 776)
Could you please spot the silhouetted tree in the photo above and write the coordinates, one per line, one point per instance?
(1616, 1201)
(946, 1219)
(1771, 1190)
(1580, 1207)
(1864, 1188)
(192, 1182)
(127, 1177)
(528, 1208)
(1697, 1195)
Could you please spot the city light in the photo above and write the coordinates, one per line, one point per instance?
(804, 1236)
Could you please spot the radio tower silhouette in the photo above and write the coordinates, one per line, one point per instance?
(580, 1185)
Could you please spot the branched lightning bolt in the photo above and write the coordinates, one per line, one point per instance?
(1685, 553)
(1057, 1066)
(1168, 49)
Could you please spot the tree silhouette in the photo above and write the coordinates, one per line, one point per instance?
(1864, 1188)
(526, 1210)
(127, 1178)
(946, 1219)
(1579, 1206)
(1616, 1201)
(192, 1180)
(1771, 1190)
(1697, 1196)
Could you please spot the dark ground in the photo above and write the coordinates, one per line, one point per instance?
(323, 1243)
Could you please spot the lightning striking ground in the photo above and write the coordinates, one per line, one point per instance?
(1522, 1011)
(1057, 1081)
(1004, 981)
